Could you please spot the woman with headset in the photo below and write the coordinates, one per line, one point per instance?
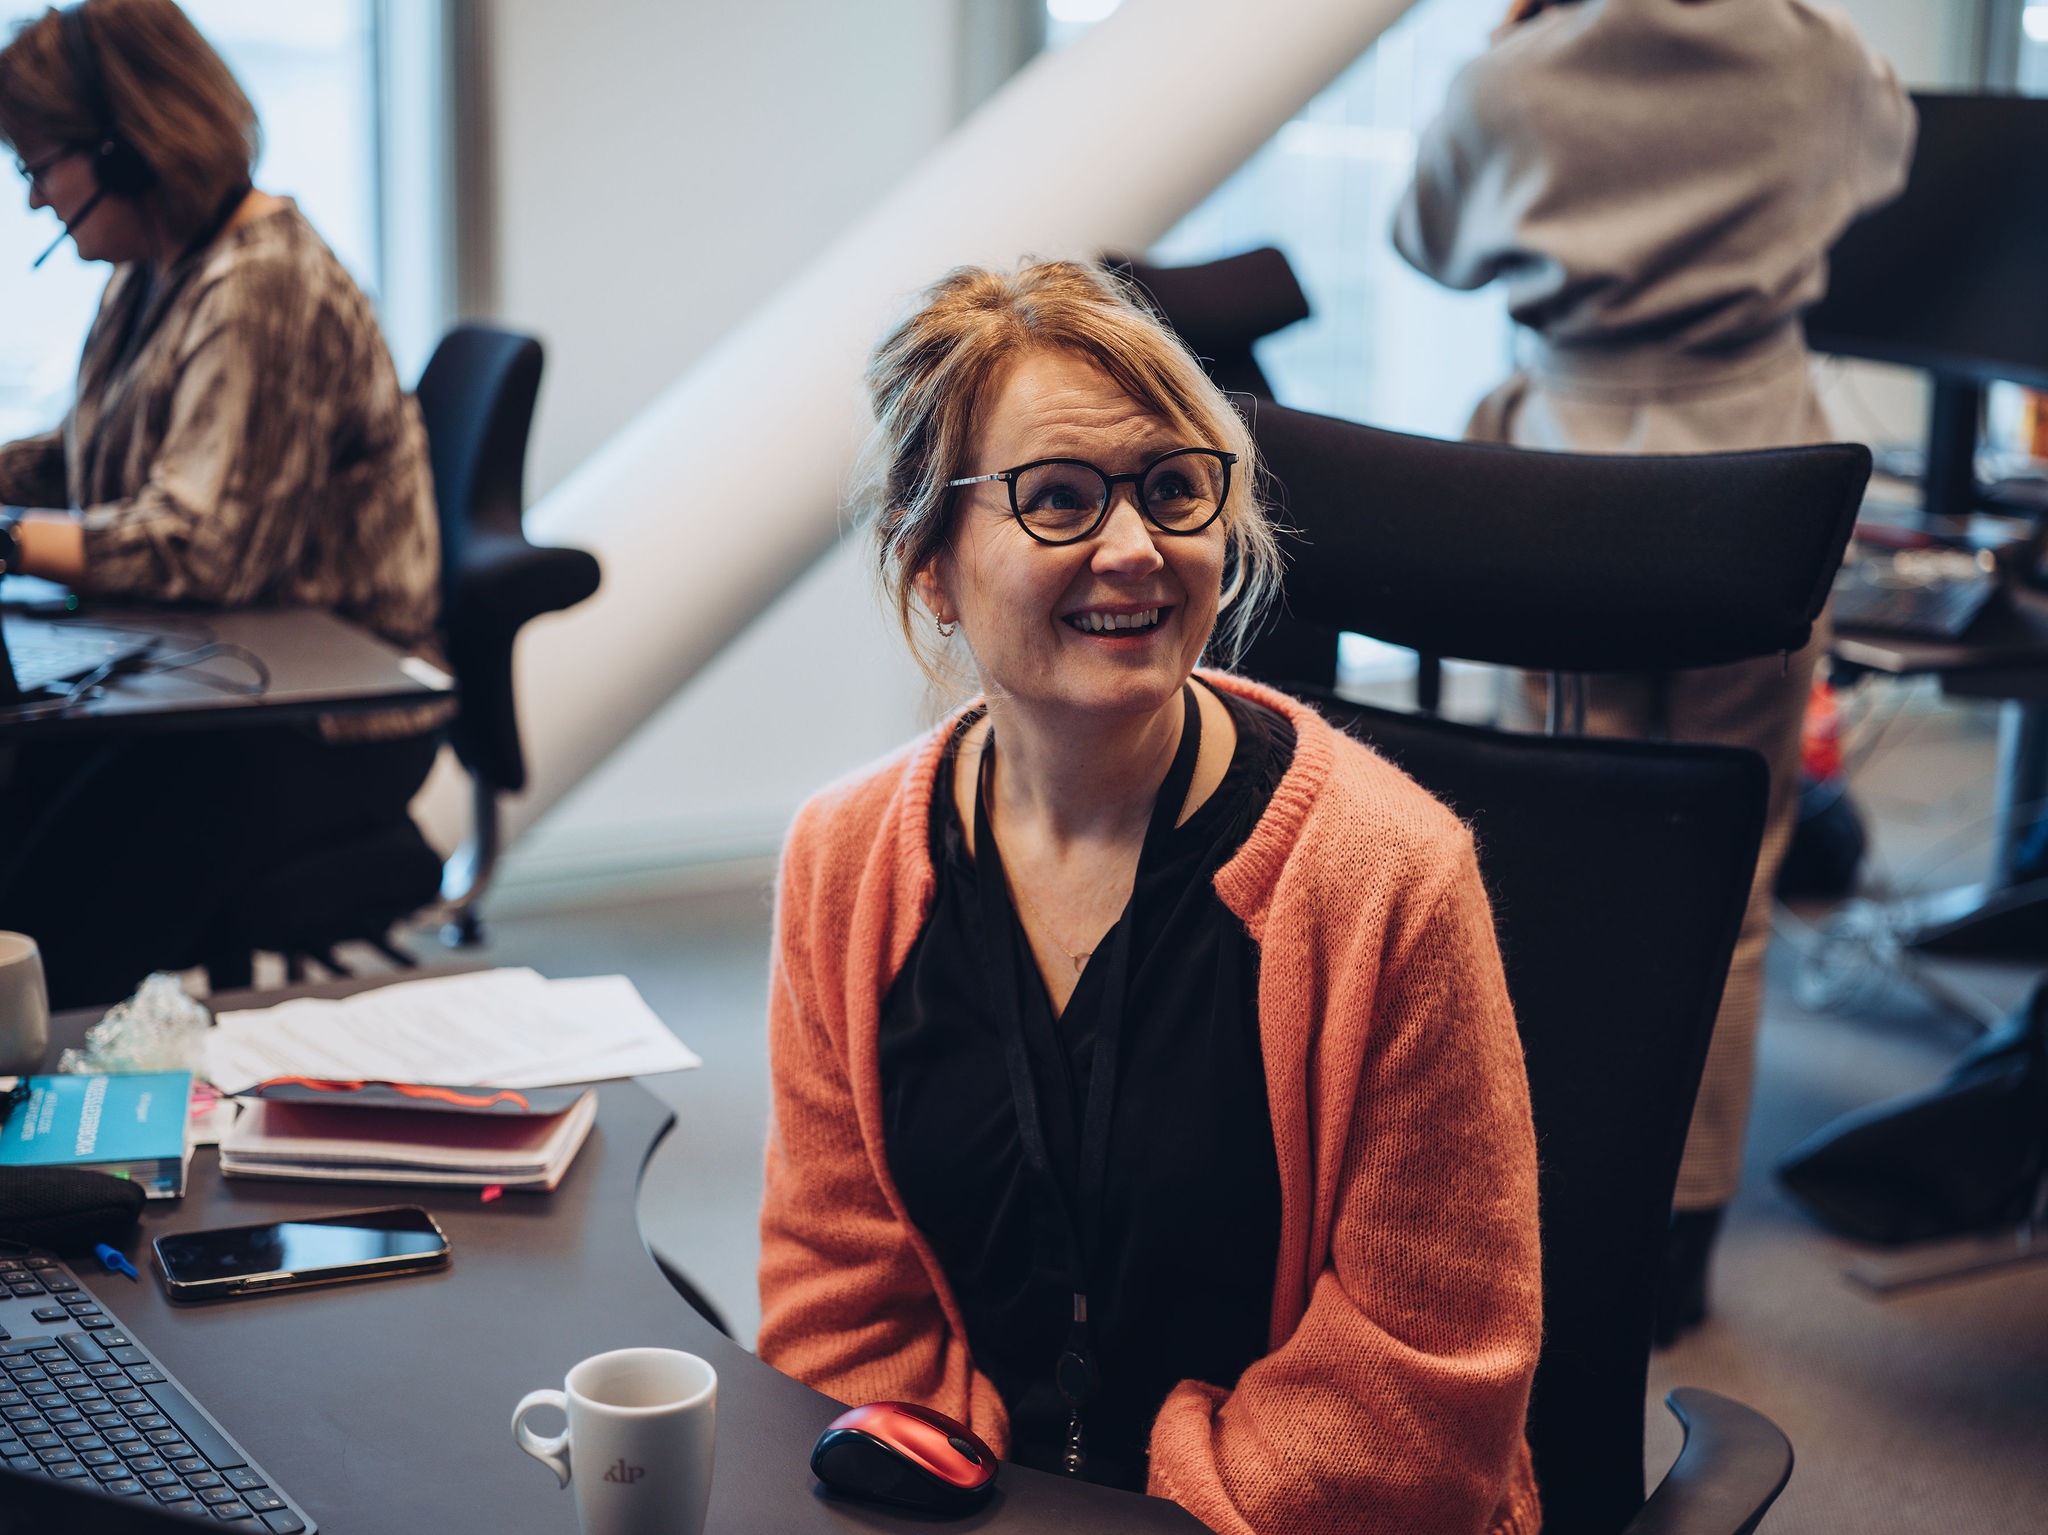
(238, 437)
(1657, 184)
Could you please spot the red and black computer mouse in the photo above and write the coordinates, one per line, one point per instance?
(898, 1452)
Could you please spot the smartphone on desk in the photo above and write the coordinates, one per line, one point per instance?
(287, 1255)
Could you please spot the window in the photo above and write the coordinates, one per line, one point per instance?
(1384, 344)
(309, 68)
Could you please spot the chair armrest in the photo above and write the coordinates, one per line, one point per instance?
(503, 581)
(1734, 1465)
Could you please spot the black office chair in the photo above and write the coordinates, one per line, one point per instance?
(1619, 870)
(476, 397)
(1221, 307)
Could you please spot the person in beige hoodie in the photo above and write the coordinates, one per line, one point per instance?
(1656, 183)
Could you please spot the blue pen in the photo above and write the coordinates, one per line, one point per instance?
(114, 1263)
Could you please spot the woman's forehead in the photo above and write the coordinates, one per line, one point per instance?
(1047, 399)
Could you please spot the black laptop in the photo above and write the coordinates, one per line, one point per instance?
(40, 657)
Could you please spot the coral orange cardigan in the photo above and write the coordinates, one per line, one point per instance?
(1406, 1307)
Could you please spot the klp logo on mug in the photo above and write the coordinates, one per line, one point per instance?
(648, 1416)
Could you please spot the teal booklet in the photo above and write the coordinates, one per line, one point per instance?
(130, 1124)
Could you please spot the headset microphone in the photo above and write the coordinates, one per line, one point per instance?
(69, 224)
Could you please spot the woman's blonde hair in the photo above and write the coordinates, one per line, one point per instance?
(929, 377)
(168, 92)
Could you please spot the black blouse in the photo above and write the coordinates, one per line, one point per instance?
(1182, 1283)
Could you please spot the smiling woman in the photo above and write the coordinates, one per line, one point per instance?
(1146, 1090)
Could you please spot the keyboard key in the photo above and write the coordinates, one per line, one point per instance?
(51, 1456)
(117, 1431)
(65, 1470)
(42, 1262)
(141, 1461)
(51, 1314)
(146, 1375)
(9, 1397)
(44, 1440)
(187, 1465)
(66, 1414)
(160, 1478)
(197, 1429)
(283, 1522)
(98, 1457)
(217, 1494)
(245, 1479)
(104, 1369)
(47, 1352)
(202, 1479)
(176, 1493)
(116, 1340)
(108, 1422)
(148, 1420)
(262, 1499)
(126, 1486)
(22, 1463)
(19, 1408)
(58, 1285)
(226, 1512)
(127, 1356)
(95, 1320)
(163, 1438)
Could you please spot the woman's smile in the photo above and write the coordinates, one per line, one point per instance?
(1123, 626)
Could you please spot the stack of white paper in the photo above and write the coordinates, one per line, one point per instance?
(502, 1028)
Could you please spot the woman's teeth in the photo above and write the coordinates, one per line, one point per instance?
(1102, 623)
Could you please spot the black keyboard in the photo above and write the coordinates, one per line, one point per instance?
(82, 1401)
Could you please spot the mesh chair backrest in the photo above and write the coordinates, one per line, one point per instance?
(1573, 562)
(476, 396)
(1618, 872)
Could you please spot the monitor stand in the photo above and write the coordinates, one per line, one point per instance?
(1949, 492)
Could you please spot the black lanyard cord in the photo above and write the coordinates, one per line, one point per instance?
(1075, 1375)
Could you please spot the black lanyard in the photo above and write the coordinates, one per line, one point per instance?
(1075, 1374)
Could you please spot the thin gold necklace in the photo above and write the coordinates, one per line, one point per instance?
(1080, 958)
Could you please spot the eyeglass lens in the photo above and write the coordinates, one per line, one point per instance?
(1065, 500)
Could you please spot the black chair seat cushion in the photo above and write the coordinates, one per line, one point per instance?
(335, 893)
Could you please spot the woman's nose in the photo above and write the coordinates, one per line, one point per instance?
(1124, 542)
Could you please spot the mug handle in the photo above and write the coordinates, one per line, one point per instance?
(550, 1451)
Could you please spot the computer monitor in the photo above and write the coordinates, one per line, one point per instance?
(1950, 277)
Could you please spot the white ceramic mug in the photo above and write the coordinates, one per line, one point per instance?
(24, 1006)
(642, 1422)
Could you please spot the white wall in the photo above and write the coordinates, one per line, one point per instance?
(662, 168)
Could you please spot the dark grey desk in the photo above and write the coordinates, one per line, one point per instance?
(385, 1407)
(318, 664)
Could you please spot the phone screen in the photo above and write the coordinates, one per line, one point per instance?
(321, 1242)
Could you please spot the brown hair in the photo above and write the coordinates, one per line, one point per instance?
(926, 381)
(169, 94)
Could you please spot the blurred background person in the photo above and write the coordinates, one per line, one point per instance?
(238, 437)
(1657, 183)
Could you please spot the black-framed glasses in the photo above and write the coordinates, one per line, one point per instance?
(1064, 500)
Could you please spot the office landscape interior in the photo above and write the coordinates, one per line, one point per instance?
(635, 255)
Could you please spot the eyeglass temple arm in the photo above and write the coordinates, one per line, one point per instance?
(979, 479)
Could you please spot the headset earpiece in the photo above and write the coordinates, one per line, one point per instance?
(117, 165)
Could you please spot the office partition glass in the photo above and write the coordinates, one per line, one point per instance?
(309, 69)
